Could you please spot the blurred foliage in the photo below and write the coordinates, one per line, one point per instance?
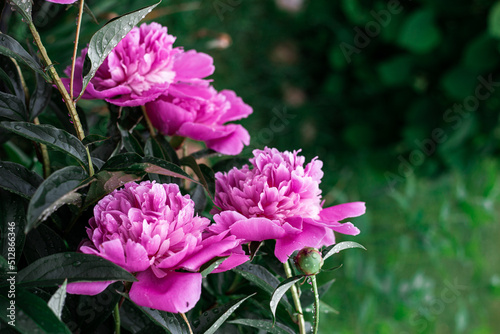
(364, 84)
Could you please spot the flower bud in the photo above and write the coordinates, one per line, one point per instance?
(309, 261)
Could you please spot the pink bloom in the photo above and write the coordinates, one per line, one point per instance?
(150, 230)
(199, 112)
(62, 2)
(280, 199)
(141, 67)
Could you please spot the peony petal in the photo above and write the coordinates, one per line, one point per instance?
(191, 64)
(257, 229)
(87, 288)
(311, 236)
(342, 211)
(176, 292)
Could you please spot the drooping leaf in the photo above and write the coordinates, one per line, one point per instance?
(280, 291)
(54, 269)
(32, 314)
(58, 189)
(211, 320)
(340, 247)
(11, 48)
(12, 107)
(266, 325)
(51, 136)
(18, 179)
(106, 38)
(56, 302)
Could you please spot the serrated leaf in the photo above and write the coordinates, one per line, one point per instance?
(280, 291)
(18, 179)
(54, 269)
(340, 247)
(266, 325)
(105, 39)
(12, 107)
(52, 137)
(11, 48)
(211, 320)
(56, 302)
(32, 314)
(58, 189)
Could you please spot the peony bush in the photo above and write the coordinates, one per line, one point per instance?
(123, 224)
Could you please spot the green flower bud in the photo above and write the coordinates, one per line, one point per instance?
(309, 261)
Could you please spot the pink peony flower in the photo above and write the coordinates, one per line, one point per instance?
(280, 199)
(150, 230)
(141, 67)
(199, 112)
(62, 2)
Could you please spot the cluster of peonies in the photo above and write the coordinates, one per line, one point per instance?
(151, 230)
(145, 69)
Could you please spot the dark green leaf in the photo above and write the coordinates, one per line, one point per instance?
(51, 136)
(12, 77)
(54, 269)
(11, 48)
(210, 266)
(191, 163)
(200, 199)
(280, 291)
(106, 38)
(205, 153)
(40, 98)
(171, 321)
(307, 297)
(56, 302)
(211, 320)
(266, 325)
(12, 107)
(42, 241)
(12, 220)
(340, 247)
(122, 161)
(32, 314)
(58, 189)
(137, 321)
(130, 143)
(93, 139)
(254, 247)
(18, 179)
(106, 183)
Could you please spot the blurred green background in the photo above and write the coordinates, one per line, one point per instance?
(401, 101)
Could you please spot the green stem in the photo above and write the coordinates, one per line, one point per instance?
(296, 300)
(148, 122)
(116, 315)
(60, 86)
(45, 155)
(75, 49)
(316, 304)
